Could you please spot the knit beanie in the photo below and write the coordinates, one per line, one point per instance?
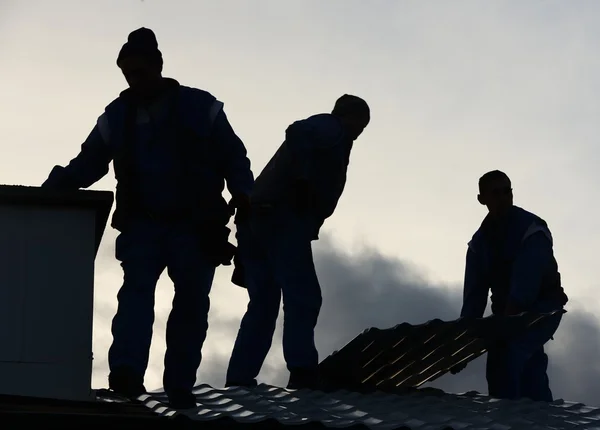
(141, 42)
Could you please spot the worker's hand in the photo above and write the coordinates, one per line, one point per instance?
(59, 180)
(240, 206)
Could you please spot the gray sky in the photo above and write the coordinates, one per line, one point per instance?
(456, 89)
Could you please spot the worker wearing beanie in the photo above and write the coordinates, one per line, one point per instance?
(172, 149)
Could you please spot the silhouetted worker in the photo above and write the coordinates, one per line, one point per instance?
(297, 190)
(511, 255)
(172, 149)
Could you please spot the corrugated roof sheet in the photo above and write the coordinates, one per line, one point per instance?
(411, 355)
(421, 409)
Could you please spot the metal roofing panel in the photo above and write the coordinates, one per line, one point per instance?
(410, 355)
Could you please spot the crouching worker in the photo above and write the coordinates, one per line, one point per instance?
(297, 190)
(172, 149)
(511, 254)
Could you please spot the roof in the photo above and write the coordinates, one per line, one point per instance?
(372, 384)
(268, 407)
(99, 201)
(420, 409)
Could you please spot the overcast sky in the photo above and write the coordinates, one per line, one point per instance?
(456, 89)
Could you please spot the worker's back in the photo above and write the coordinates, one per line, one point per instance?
(316, 150)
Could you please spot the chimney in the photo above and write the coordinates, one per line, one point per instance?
(48, 245)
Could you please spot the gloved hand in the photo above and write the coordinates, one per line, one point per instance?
(59, 180)
(240, 205)
(303, 196)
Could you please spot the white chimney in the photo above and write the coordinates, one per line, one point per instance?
(48, 244)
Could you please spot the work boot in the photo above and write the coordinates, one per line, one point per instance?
(125, 382)
(182, 399)
(304, 378)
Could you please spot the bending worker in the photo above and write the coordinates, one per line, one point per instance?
(297, 190)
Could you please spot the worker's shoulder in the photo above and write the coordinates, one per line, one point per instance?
(196, 95)
(527, 218)
(326, 129)
(530, 223)
(325, 123)
(524, 213)
(474, 243)
(115, 104)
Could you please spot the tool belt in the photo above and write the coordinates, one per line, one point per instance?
(213, 235)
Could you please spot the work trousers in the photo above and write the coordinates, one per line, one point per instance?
(145, 250)
(518, 368)
(276, 254)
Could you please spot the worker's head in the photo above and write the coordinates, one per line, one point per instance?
(495, 192)
(140, 60)
(354, 113)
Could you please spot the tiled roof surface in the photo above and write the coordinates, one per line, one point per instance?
(370, 386)
(390, 364)
(410, 355)
(422, 409)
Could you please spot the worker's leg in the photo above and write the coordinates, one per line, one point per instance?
(504, 381)
(258, 324)
(519, 368)
(192, 275)
(290, 253)
(535, 383)
(140, 250)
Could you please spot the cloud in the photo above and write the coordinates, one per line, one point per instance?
(363, 288)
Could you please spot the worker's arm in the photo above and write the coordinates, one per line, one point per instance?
(238, 173)
(532, 261)
(476, 289)
(475, 294)
(90, 165)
